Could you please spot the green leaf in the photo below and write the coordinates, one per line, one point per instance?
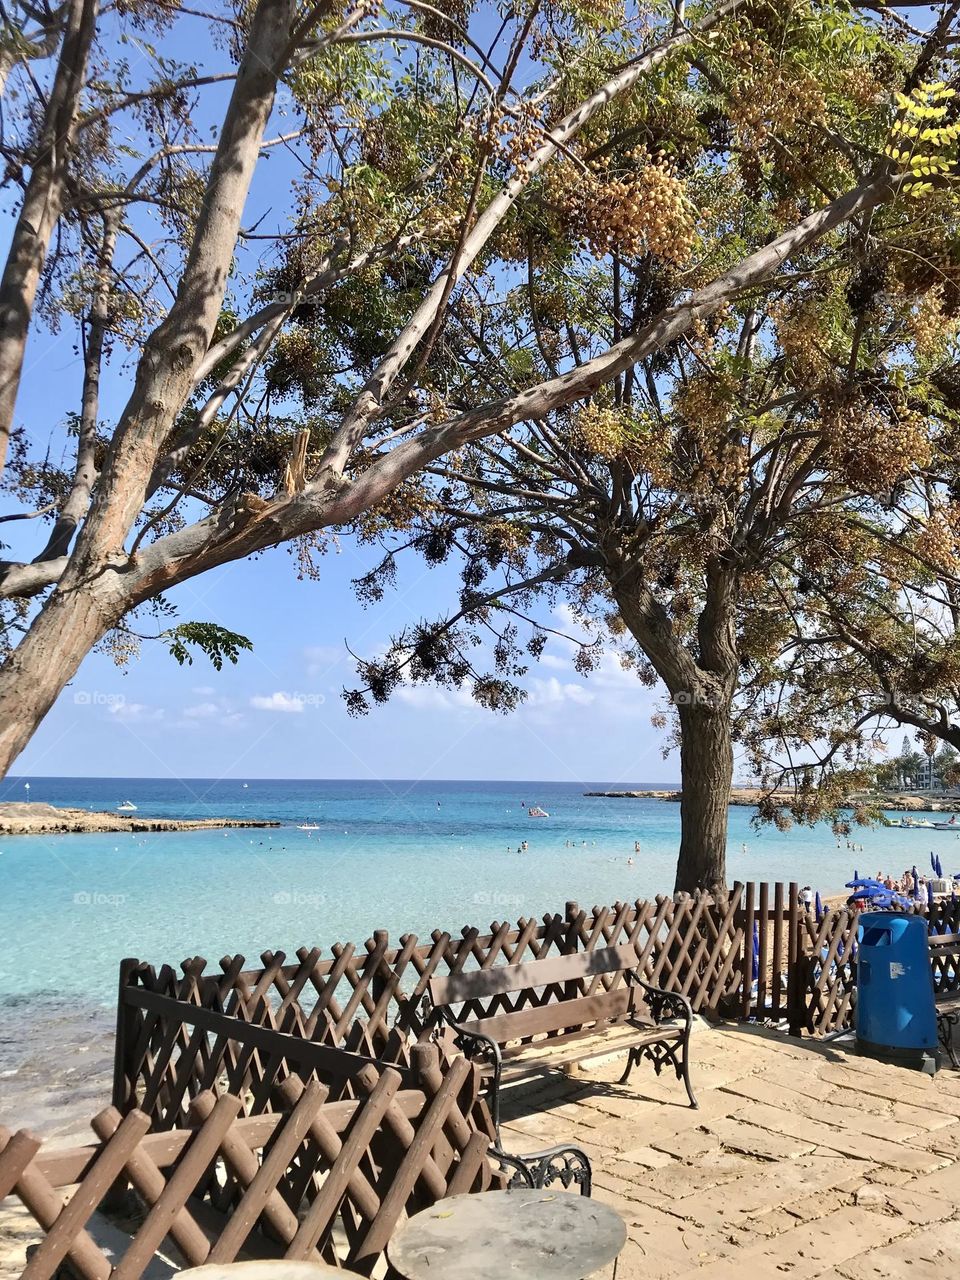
(216, 642)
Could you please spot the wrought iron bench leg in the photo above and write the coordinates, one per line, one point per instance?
(631, 1063)
(660, 1053)
(684, 1070)
(945, 1025)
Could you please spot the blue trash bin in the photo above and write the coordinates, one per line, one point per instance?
(896, 1015)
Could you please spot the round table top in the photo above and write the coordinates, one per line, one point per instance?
(523, 1234)
(263, 1270)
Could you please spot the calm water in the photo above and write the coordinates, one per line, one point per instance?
(408, 857)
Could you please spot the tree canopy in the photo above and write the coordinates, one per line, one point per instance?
(643, 305)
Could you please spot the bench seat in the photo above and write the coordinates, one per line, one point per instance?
(517, 1021)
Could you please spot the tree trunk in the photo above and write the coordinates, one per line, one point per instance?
(706, 775)
(41, 208)
(48, 657)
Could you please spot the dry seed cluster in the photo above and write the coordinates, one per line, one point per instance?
(642, 212)
(772, 97)
(937, 541)
(873, 450)
(600, 431)
(799, 332)
(930, 328)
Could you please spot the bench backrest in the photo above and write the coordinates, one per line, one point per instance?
(483, 984)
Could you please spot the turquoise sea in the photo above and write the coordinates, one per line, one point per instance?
(404, 856)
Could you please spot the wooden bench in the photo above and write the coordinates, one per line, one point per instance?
(563, 1003)
(945, 959)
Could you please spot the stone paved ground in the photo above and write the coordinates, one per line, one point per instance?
(803, 1160)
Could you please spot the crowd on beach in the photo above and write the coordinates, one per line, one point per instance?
(911, 884)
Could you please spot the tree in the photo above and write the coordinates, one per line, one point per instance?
(681, 503)
(885, 650)
(302, 377)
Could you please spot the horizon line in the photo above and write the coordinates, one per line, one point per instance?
(108, 777)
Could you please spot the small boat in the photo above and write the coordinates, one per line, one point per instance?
(308, 826)
(537, 812)
(127, 807)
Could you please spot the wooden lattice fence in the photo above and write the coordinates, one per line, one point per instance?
(314, 1179)
(824, 971)
(327, 1017)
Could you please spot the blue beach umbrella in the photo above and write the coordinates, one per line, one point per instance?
(938, 868)
(818, 907)
(933, 863)
(916, 874)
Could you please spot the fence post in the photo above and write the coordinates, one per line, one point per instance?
(746, 989)
(763, 954)
(381, 942)
(123, 1045)
(571, 945)
(776, 982)
(796, 1012)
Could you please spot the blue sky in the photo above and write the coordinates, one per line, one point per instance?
(278, 713)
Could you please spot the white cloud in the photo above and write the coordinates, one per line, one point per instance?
(427, 697)
(136, 712)
(554, 662)
(278, 701)
(203, 711)
(205, 690)
(553, 692)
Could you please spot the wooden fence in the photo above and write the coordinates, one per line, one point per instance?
(823, 971)
(328, 1017)
(314, 1179)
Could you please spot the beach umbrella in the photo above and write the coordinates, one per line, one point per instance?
(818, 906)
(939, 868)
(856, 874)
(916, 874)
(933, 863)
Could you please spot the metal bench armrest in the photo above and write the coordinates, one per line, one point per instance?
(568, 1165)
(478, 1048)
(662, 1003)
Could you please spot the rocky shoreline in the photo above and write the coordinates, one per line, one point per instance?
(23, 819)
(905, 802)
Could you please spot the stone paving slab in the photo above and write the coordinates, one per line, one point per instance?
(804, 1161)
(925, 1256)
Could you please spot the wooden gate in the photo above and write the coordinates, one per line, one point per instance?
(315, 1179)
